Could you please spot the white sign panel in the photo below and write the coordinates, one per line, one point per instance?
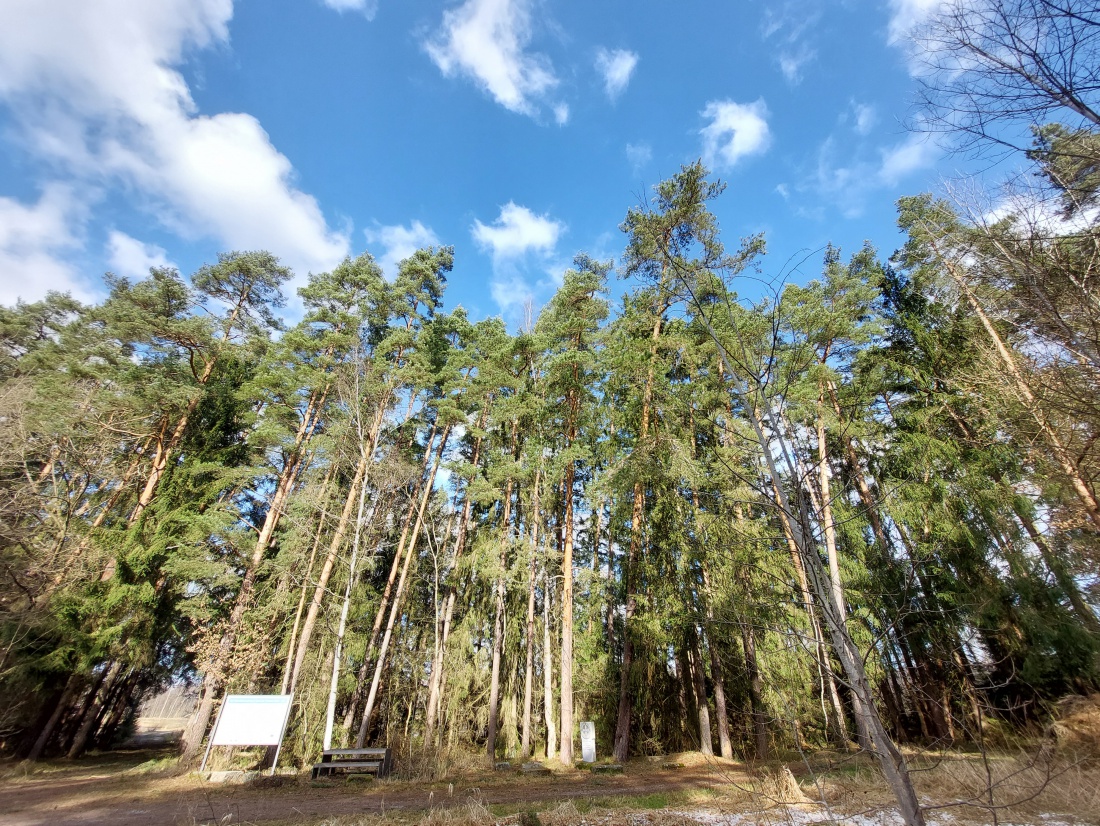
(588, 742)
(252, 720)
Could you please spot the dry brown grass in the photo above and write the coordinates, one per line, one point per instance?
(1077, 729)
(1019, 788)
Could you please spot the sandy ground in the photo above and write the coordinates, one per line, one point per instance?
(682, 790)
(78, 795)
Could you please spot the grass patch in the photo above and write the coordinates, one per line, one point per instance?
(653, 801)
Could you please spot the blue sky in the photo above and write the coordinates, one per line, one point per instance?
(139, 133)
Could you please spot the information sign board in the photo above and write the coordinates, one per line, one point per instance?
(250, 720)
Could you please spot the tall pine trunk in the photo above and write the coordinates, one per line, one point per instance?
(498, 619)
(436, 681)
(548, 667)
(565, 748)
(621, 747)
(409, 552)
(529, 667)
(214, 671)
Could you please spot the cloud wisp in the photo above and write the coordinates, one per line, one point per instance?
(399, 242)
(639, 155)
(790, 25)
(914, 153)
(735, 131)
(486, 41)
(368, 8)
(616, 67)
(908, 15)
(865, 117)
(846, 183)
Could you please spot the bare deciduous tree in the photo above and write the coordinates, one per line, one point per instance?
(990, 70)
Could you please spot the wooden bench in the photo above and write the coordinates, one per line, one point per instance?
(369, 761)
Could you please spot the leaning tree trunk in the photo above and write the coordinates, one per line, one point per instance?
(292, 642)
(358, 485)
(889, 759)
(214, 672)
(387, 592)
(835, 721)
(330, 711)
(62, 705)
(98, 701)
(1058, 449)
(436, 681)
(410, 552)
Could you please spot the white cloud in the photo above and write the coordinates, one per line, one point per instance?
(792, 62)
(516, 232)
(784, 191)
(735, 131)
(915, 152)
(131, 258)
(639, 155)
(486, 40)
(94, 88)
(616, 68)
(561, 114)
(367, 7)
(865, 116)
(33, 242)
(513, 237)
(399, 242)
(906, 15)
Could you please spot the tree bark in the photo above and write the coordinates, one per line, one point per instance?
(330, 711)
(62, 705)
(410, 552)
(98, 700)
(384, 602)
(706, 738)
(621, 746)
(213, 677)
(435, 682)
(498, 619)
(1060, 453)
(529, 667)
(1057, 567)
(725, 745)
(890, 760)
(292, 643)
(547, 668)
(358, 486)
(565, 747)
(756, 692)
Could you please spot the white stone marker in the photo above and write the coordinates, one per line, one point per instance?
(588, 742)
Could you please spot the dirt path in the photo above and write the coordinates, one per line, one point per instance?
(79, 799)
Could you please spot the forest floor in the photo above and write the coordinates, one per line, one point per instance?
(142, 788)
